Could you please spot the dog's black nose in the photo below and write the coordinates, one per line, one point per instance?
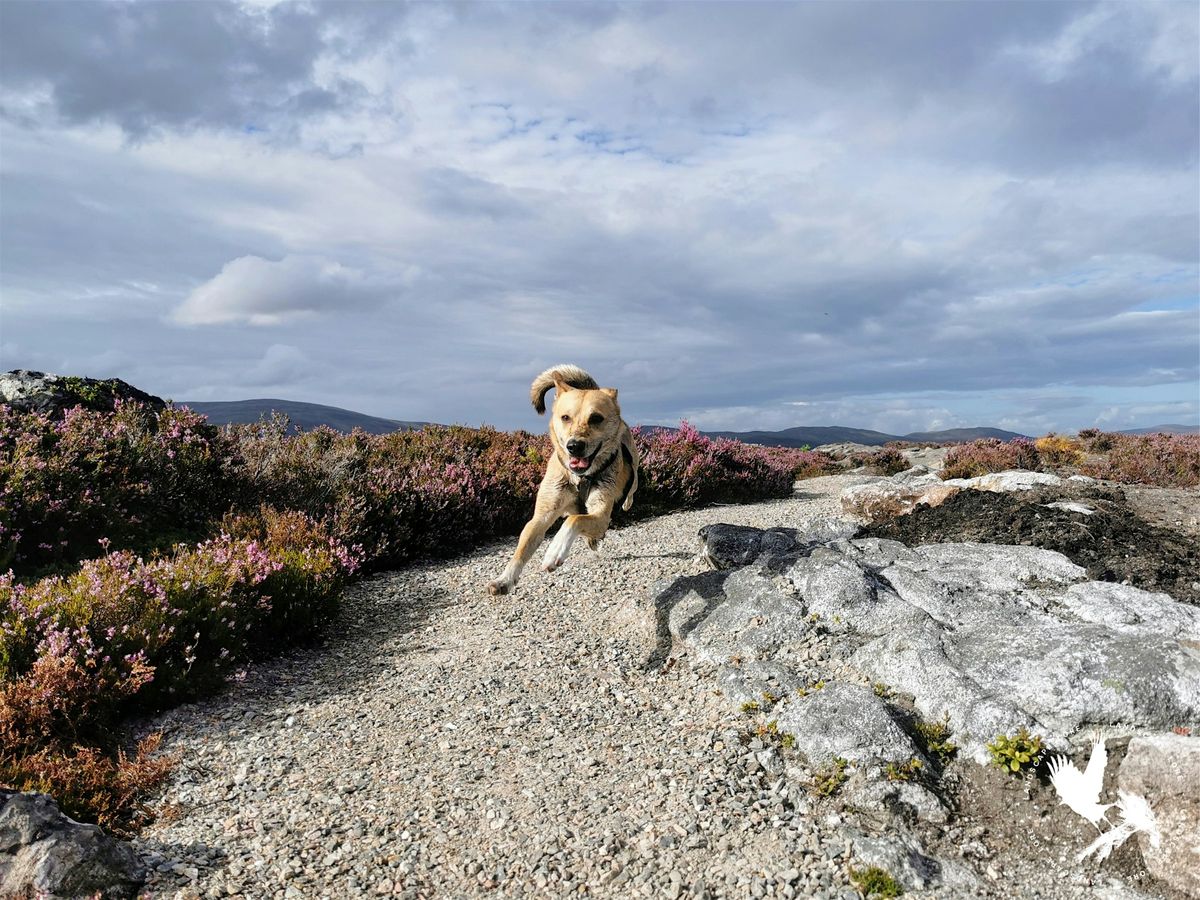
(576, 448)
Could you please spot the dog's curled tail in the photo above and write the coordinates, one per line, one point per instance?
(572, 375)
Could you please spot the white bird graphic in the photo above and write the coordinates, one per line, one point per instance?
(1136, 815)
(1081, 790)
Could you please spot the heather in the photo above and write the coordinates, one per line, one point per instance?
(887, 461)
(134, 478)
(123, 634)
(1166, 460)
(990, 455)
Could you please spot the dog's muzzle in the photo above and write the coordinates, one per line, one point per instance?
(576, 460)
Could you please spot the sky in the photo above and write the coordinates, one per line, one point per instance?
(900, 215)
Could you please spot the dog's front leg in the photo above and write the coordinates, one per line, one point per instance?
(592, 526)
(531, 536)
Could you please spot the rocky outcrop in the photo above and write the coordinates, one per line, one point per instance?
(28, 391)
(990, 638)
(43, 853)
(1165, 770)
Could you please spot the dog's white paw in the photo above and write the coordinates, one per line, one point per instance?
(499, 586)
(556, 553)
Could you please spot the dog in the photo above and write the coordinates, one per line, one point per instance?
(593, 467)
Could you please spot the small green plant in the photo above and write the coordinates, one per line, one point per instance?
(875, 882)
(1020, 752)
(751, 706)
(788, 742)
(934, 739)
(770, 698)
(826, 782)
(882, 691)
(907, 771)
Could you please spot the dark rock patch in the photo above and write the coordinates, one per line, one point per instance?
(1113, 543)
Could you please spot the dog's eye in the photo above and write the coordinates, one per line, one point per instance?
(565, 418)
(596, 419)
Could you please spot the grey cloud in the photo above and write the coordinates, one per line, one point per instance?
(147, 66)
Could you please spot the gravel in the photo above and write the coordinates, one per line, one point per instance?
(442, 742)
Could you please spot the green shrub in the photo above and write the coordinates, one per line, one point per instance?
(1018, 753)
(875, 882)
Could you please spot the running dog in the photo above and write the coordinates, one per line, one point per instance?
(593, 467)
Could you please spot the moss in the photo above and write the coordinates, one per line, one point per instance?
(875, 882)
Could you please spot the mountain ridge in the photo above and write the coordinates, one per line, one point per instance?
(309, 415)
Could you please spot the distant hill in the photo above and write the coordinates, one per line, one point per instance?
(961, 435)
(304, 415)
(817, 435)
(809, 436)
(1164, 429)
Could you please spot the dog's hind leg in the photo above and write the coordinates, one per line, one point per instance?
(531, 536)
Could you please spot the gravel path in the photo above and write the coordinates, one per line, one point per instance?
(443, 742)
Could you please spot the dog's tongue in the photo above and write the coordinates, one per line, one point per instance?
(578, 463)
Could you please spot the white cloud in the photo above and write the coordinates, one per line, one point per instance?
(264, 292)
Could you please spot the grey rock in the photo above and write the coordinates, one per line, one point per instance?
(753, 617)
(47, 854)
(901, 800)
(1165, 770)
(1129, 609)
(751, 679)
(845, 720)
(905, 859)
(29, 391)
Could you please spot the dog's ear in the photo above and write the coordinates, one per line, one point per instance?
(612, 392)
(561, 386)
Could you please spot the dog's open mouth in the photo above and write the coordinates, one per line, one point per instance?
(580, 463)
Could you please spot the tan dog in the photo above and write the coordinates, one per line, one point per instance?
(593, 468)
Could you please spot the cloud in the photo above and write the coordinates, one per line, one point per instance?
(721, 211)
(281, 364)
(262, 292)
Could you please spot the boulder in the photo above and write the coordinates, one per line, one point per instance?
(43, 853)
(845, 720)
(888, 499)
(1165, 769)
(1002, 482)
(731, 546)
(28, 391)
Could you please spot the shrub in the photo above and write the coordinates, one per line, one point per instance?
(888, 461)
(934, 739)
(1166, 460)
(685, 469)
(1017, 753)
(990, 455)
(77, 653)
(1056, 450)
(875, 882)
(133, 478)
(92, 785)
(828, 781)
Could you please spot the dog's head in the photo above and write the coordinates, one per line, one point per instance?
(583, 422)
